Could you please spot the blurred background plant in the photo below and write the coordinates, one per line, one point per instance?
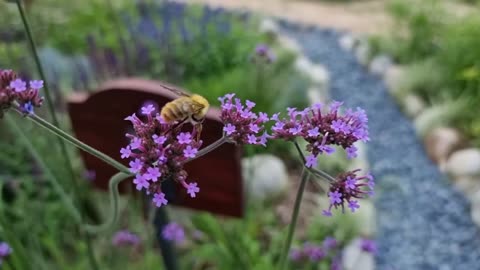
(439, 44)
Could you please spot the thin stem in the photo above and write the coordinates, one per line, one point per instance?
(33, 48)
(316, 172)
(114, 209)
(49, 175)
(209, 148)
(90, 252)
(85, 147)
(51, 110)
(293, 222)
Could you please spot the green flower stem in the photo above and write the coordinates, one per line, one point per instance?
(85, 147)
(33, 48)
(49, 175)
(293, 222)
(51, 108)
(114, 209)
(316, 172)
(209, 148)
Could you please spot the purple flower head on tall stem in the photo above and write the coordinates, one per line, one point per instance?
(5, 250)
(157, 153)
(241, 124)
(125, 238)
(323, 128)
(15, 90)
(368, 245)
(264, 52)
(174, 232)
(296, 254)
(347, 188)
(330, 243)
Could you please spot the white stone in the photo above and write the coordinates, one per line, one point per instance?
(303, 65)
(265, 176)
(354, 258)
(475, 209)
(432, 117)
(440, 143)
(319, 75)
(413, 105)
(348, 42)
(269, 27)
(362, 53)
(289, 44)
(380, 64)
(469, 186)
(392, 77)
(365, 218)
(317, 94)
(464, 162)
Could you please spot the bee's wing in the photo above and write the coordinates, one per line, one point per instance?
(175, 90)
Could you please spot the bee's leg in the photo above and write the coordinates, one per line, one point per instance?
(198, 129)
(177, 125)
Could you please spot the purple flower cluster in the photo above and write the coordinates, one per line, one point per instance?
(157, 153)
(314, 252)
(323, 130)
(265, 53)
(368, 245)
(5, 251)
(241, 125)
(347, 188)
(13, 89)
(125, 238)
(174, 232)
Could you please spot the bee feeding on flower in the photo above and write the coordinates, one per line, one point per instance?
(157, 153)
(192, 108)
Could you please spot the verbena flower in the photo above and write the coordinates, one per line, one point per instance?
(347, 188)
(241, 125)
(90, 175)
(368, 245)
(5, 251)
(264, 52)
(329, 243)
(336, 262)
(296, 254)
(157, 153)
(14, 89)
(125, 238)
(323, 129)
(174, 232)
(314, 252)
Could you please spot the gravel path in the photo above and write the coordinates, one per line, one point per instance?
(422, 222)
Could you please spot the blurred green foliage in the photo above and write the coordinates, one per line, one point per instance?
(256, 241)
(417, 25)
(442, 51)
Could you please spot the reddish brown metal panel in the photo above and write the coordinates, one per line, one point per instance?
(98, 120)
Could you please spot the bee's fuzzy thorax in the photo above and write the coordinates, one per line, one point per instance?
(201, 100)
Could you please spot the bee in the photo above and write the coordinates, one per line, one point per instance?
(192, 108)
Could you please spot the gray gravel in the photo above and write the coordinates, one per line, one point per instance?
(422, 222)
